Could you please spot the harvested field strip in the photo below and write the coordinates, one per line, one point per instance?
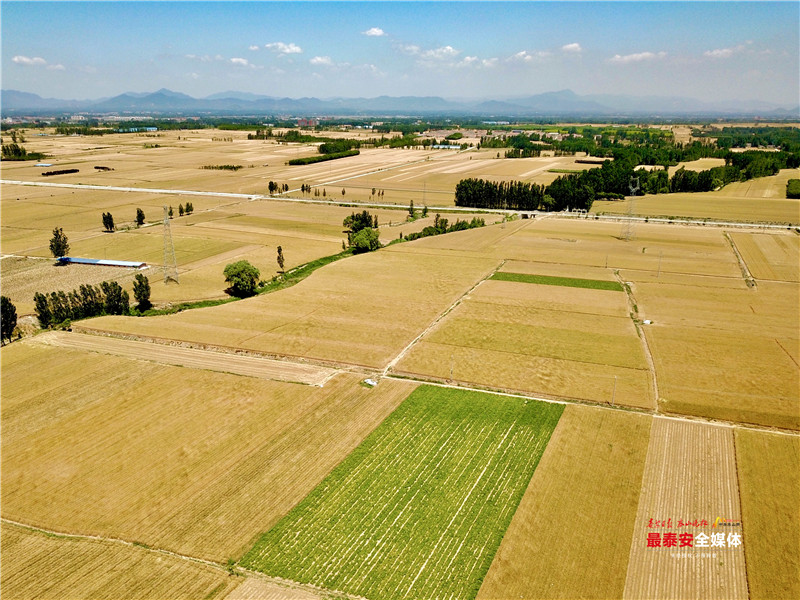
(428, 495)
(191, 461)
(193, 358)
(770, 256)
(690, 477)
(769, 484)
(570, 536)
(512, 372)
(593, 284)
(38, 565)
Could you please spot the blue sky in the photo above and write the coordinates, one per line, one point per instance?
(705, 50)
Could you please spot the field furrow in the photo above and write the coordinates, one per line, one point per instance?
(415, 511)
(687, 540)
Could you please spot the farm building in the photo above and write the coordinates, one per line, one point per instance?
(65, 260)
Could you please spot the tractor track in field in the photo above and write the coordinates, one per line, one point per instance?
(276, 587)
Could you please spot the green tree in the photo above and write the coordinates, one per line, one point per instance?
(189, 208)
(280, 258)
(242, 277)
(108, 221)
(42, 307)
(411, 210)
(59, 245)
(366, 240)
(141, 291)
(8, 318)
(139, 217)
(170, 212)
(180, 210)
(117, 301)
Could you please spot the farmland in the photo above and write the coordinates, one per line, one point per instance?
(593, 465)
(193, 461)
(690, 479)
(338, 315)
(246, 432)
(36, 565)
(769, 484)
(761, 200)
(437, 507)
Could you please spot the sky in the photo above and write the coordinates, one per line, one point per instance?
(710, 51)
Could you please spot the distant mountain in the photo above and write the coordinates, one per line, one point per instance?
(236, 96)
(550, 104)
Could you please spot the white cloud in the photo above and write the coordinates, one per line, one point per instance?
(441, 53)
(253, 47)
(468, 61)
(58, 67)
(489, 62)
(36, 61)
(574, 47)
(324, 61)
(282, 48)
(529, 57)
(241, 62)
(374, 32)
(638, 57)
(722, 52)
(411, 49)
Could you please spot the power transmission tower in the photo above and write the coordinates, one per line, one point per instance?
(628, 230)
(170, 264)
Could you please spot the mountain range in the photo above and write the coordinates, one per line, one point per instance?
(564, 103)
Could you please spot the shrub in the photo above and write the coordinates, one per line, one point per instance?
(242, 277)
(793, 188)
(366, 240)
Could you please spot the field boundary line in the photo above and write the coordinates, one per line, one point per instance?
(634, 314)
(99, 538)
(564, 400)
(236, 570)
(441, 316)
(741, 510)
(748, 278)
(232, 350)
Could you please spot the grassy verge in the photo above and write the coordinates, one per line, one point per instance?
(428, 494)
(594, 284)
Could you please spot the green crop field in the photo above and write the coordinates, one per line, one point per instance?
(592, 284)
(419, 509)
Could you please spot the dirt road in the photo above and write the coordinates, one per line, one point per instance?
(251, 366)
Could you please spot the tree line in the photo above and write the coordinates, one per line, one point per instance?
(613, 181)
(441, 226)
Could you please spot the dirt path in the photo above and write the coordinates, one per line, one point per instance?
(690, 474)
(634, 313)
(194, 358)
(444, 313)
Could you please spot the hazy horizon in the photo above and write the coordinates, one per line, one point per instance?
(721, 51)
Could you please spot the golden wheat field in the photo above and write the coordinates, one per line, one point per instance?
(187, 460)
(761, 200)
(580, 506)
(137, 444)
(38, 565)
(769, 484)
(337, 315)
